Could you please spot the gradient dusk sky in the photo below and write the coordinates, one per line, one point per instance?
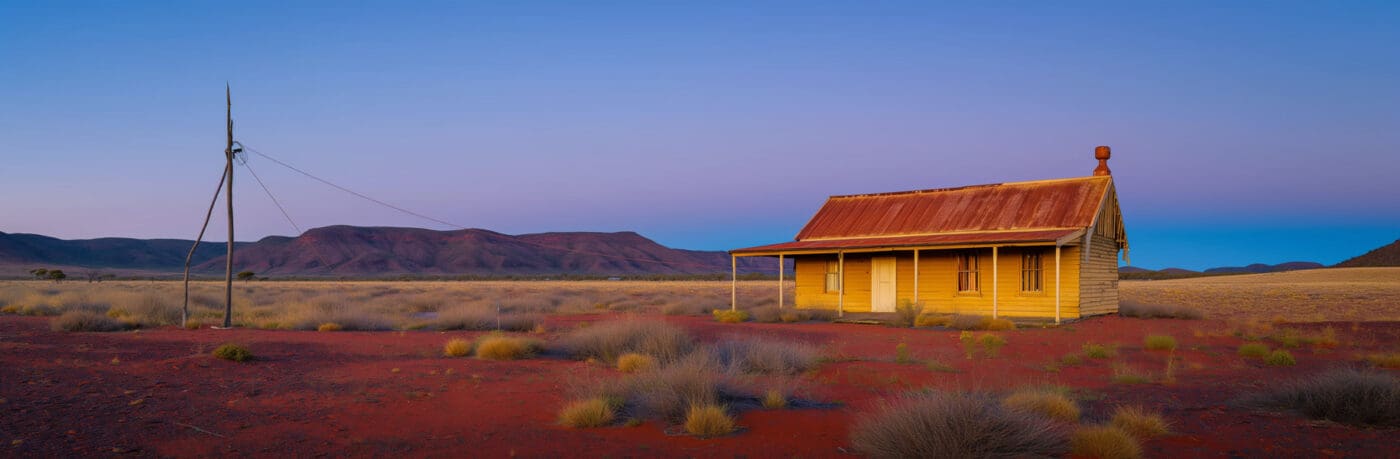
(1242, 131)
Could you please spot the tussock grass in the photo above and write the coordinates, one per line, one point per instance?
(1280, 358)
(1099, 351)
(1042, 402)
(932, 320)
(1159, 343)
(593, 412)
(946, 424)
(1253, 350)
(766, 314)
(730, 317)
(1158, 311)
(987, 344)
(633, 362)
(83, 321)
(1071, 359)
(1385, 360)
(668, 392)
(752, 355)
(1123, 374)
(1139, 422)
(1106, 442)
(607, 341)
(1348, 396)
(708, 421)
(233, 352)
(774, 399)
(906, 314)
(498, 347)
(482, 318)
(690, 307)
(329, 327)
(457, 348)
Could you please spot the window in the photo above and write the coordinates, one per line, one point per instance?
(1031, 272)
(833, 277)
(967, 272)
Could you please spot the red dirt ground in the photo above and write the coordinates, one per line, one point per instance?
(159, 393)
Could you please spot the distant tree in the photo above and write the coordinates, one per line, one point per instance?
(57, 275)
(94, 275)
(40, 273)
(246, 276)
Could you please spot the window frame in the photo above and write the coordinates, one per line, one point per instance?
(1033, 274)
(968, 276)
(832, 282)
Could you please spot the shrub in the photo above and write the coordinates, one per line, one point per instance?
(1043, 402)
(688, 307)
(1128, 375)
(328, 327)
(932, 320)
(1099, 351)
(766, 314)
(152, 309)
(82, 321)
(1253, 350)
(1159, 343)
(901, 353)
(1158, 311)
(507, 347)
(1280, 358)
(1138, 422)
(633, 362)
(1386, 360)
(765, 356)
(1106, 442)
(708, 421)
(968, 322)
(906, 313)
(1000, 325)
(1071, 359)
(792, 316)
(730, 317)
(668, 392)
(234, 352)
(608, 340)
(593, 412)
(457, 348)
(991, 344)
(774, 399)
(1348, 396)
(944, 424)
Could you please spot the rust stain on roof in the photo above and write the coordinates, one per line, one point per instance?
(959, 238)
(1037, 205)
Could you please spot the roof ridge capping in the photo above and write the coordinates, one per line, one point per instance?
(969, 187)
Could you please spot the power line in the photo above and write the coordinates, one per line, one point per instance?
(270, 196)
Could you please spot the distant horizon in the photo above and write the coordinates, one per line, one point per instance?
(1241, 133)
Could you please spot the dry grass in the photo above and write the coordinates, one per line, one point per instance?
(708, 421)
(1157, 311)
(1385, 360)
(1043, 402)
(1253, 350)
(943, 424)
(753, 355)
(1123, 374)
(609, 340)
(1280, 358)
(1139, 422)
(1106, 442)
(774, 399)
(457, 348)
(1348, 396)
(1315, 295)
(633, 362)
(1098, 351)
(593, 412)
(1159, 343)
(668, 392)
(83, 321)
(500, 347)
(932, 320)
(234, 352)
(329, 327)
(730, 317)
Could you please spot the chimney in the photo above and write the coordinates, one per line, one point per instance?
(1102, 153)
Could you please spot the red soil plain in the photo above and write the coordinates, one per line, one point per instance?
(159, 392)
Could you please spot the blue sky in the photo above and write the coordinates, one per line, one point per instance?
(1242, 132)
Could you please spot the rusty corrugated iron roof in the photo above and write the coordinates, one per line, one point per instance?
(1063, 203)
(961, 238)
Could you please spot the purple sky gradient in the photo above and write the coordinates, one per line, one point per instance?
(1241, 134)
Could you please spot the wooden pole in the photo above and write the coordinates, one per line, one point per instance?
(916, 277)
(1057, 284)
(780, 281)
(994, 282)
(733, 283)
(185, 311)
(228, 198)
(840, 284)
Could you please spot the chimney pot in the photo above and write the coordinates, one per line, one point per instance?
(1102, 154)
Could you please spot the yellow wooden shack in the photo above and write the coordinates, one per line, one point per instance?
(1044, 249)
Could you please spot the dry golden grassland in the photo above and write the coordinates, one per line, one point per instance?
(1318, 295)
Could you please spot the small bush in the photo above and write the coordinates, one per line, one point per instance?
(906, 313)
(234, 352)
(708, 421)
(991, 344)
(766, 314)
(1107, 442)
(1099, 351)
(82, 321)
(607, 341)
(943, 424)
(1000, 325)
(507, 347)
(1138, 422)
(1386, 360)
(688, 307)
(593, 412)
(730, 317)
(932, 320)
(901, 353)
(457, 348)
(1348, 396)
(633, 362)
(968, 322)
(774, 399)
(1128, 375)
(1280, 358)
(1253, 350)
(328, 327)
(765, 356)
(1158, 311)
(793, 316)
(1043, 402)
(1071, 359)
(1159, 343)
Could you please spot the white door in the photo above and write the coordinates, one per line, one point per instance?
(882, 295)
